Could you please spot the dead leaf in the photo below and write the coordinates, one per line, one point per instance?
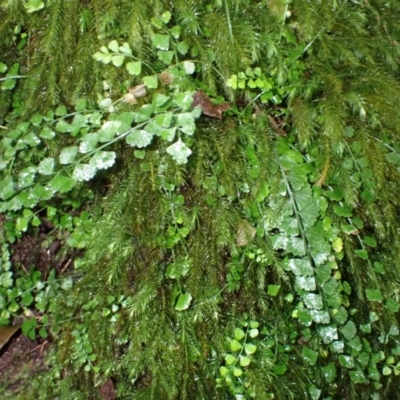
(277, 126)
(166, 78)
(245, 232)
(207, 106)
(107, 390)
(130, 99)
(6, 333)
(135, 93)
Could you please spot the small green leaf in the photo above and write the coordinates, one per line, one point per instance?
(157, 22)
(250, 348)
(31, 139)
(63, 126)
(239, 334)
(139, 154)
(342, 211)
(378, 267)
(374, 295)
(61, 111)
(46, 166)
(237, 371)
(230, 359)
(357, 376)
(346, 361)
(151, 81)
(386, 370)
(161, 42)
(6, 279)
(179, 152)
(113, 46)
(28, 325)
(232, 82)
(88, 143)
(254, 324)
(392, 305)
(3, 67)
(21, 224)
(253, 332)
(235, 345)
(165, 56)
(184, 100)
(175, 31)
(108, 131)
(134, 67)
(244, 361)
(329, 372)
(273, 290)
(182, 48)
(103, 159)
(160, 100)
(33, 6)
(118, 60)
(183, 302)
(61, 184)
(139, 138)
(84, 172)
(310, 355)
(166, 17)
(43, 333)
(315, 393)
(362, 254)
(125, 49)
(68, 154)
(349, 330)
(337, 245)
(27, 299)
(47, 133)
(36, 119)
(370, 241)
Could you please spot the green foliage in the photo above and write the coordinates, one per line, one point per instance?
(255, 256)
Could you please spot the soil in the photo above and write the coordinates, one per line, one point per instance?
(21, 355)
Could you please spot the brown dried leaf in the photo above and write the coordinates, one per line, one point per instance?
(107, 390)
(135, 93)
(6, 333)
(166, 78)
(207, 106)
(130, 99)
(245, 232)
(138, 91)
